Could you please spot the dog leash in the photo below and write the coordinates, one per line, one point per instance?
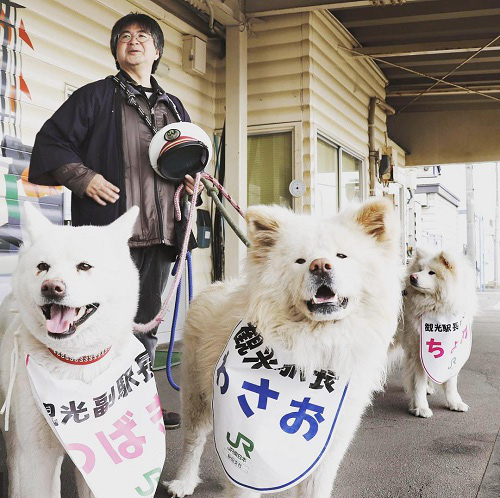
(14, 359)
(200, 177)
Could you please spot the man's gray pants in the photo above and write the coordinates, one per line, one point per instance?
(153, 263)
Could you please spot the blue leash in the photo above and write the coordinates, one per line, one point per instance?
(168, 366)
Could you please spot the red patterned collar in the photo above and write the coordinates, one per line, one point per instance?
(82, 360)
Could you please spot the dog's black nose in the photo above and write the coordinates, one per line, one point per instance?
(320, 266)
(53, 288)
(413, 279)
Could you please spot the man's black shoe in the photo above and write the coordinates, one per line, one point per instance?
(171, 420)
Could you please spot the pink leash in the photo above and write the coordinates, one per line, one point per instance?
(146, 327)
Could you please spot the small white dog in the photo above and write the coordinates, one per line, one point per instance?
(65, 297)
(438, 284)
(326, 291)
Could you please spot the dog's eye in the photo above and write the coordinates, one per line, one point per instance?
(83, 266)
(432, 272)
(301, 261)
(43, 266)
(341, 255)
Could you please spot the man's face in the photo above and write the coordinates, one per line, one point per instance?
(132, 53)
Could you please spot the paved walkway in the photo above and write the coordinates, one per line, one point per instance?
(394, 454)
(451, 455)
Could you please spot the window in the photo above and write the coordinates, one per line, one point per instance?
(270, 166)
(351, 169)
(338, 177)
(327, 197)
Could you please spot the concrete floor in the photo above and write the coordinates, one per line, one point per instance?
(451, 455)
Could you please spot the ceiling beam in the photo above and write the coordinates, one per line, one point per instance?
(440, 16)
(410, 49)
(417, 12)
(261, 8)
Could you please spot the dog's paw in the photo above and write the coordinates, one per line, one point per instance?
(179, 489)
(421, 412)
(458, 406)
(430, 389)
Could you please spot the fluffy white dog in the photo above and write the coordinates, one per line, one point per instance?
(324, 289)
(65, 297)
(438, 283)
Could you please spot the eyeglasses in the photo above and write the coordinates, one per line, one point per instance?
(141, 37)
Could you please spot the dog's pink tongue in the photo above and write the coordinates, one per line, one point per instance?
(61, 317)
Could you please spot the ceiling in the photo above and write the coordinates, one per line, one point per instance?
(456, 41)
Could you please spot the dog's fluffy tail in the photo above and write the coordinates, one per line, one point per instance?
(394, 358)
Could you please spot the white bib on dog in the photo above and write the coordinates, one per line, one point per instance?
(445, 345)
(272, 423)
(112, 428)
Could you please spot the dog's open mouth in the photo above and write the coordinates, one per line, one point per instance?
(62, 321)
(326, 301)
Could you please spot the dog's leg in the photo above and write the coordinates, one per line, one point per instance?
(430, 387)
(415, 380)
(82, 486)
(196, 424)
(320, 483)
(34, 470)
(453, 399)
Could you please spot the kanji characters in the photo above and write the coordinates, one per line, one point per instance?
(51, 410)
(324, 378)
(103, 403)
(123, 383)
(264, 394)
(143, 361)
(297, 418)
(290, 371)
(262, 359)
(74, 412)
(247, 338)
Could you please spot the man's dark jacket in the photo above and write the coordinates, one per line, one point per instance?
(87, 129)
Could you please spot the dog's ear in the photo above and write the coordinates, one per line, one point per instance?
(377, 218)
(33, 223)
(421, 253)
(124, 225)
(262, 226)
(447, 260)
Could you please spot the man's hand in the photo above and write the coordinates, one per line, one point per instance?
(101, 190)
(189, 185)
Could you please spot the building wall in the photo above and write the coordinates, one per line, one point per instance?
(50, 46)
(298, 78)
(440, 223)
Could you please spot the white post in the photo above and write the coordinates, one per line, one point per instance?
(497, 226)
(471, 239)
(236, 141)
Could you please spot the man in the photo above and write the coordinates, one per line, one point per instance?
(96, 144)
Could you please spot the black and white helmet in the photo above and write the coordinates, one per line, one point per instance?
(180, 149)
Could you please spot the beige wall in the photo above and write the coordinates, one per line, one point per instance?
(445, 138)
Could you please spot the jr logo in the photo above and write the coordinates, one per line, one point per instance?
(244, 441)
(172, 134)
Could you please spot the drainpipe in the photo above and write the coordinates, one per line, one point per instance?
(374, 102)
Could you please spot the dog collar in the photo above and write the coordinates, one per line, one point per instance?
(82, 360)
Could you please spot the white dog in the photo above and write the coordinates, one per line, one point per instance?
(65, 297)
(326, 291)
(439, 292)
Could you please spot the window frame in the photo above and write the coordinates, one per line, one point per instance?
(296, 131)
(337, 144)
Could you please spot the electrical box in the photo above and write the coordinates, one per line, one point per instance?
(194, 55)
